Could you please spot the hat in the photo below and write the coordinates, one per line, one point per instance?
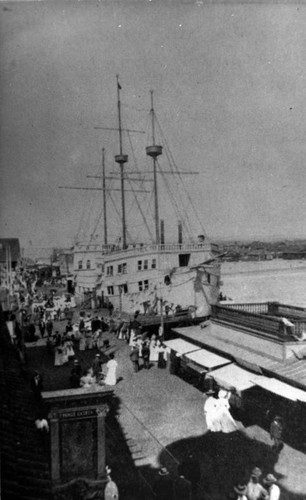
(210, 392)
(75, 361)
(256, 472)
(97, 355)
(163, 471)
(240, 489)
(270, 479)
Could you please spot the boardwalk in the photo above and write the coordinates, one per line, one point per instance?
(161, 417)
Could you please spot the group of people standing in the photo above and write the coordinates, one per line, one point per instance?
(254, 490)
(151, 351)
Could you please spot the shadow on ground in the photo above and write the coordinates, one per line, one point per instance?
(225, 460)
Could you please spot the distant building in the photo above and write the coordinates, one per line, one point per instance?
(9, 251)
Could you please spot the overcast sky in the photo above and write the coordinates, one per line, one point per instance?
(229, 83)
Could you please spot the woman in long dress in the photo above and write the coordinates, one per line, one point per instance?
(154, 350)
(211, 414)
(58, 358)
(226, 420)
(111, 365)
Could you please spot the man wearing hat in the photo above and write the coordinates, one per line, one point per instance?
(273, 491)
(240, 492)
(254, 489)
(163, 486)
(75, 375)
(276, 431)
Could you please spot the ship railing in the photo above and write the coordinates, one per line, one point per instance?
(265, 317)
(167, 247)
(251, 320)
(256, 307)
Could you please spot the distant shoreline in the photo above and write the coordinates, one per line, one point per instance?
(262, 266)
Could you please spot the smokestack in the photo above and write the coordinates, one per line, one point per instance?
(162, 232)
(180, 232)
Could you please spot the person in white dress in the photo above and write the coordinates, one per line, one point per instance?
(88, 380)
(111, 365)
(59, 356)
(154, 350)
(273, 490)
(227, 423)
(211, 413)
(82, 344)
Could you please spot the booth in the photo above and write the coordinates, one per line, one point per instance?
(178, 347)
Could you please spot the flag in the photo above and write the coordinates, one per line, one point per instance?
(119, 86)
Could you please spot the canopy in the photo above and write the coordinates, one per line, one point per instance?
(207, 359)
(181, 346)
(232, 376)
(281, 389)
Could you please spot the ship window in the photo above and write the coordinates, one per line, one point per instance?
(153, 263)
(140, 286)
(184, 259)
(109, 271)
(123, 288)
(88, 264)
(119, 268)
(124, 268)
(110, 290)
(208, 278)
(146, 284)
(139, 265)
(80, 264)
(145, 264)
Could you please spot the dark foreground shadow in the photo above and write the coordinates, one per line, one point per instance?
(225, 460)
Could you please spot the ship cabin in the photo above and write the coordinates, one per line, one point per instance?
(87, 268)
(140, 267)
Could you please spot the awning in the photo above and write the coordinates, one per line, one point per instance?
(207, 359)
(281, 389)
(181, 346)
(232, 376)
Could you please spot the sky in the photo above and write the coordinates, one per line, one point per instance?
(229, 81)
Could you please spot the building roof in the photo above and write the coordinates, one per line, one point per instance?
(13, 244)
(230, 342)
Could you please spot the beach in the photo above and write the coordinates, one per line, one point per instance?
(275, 280)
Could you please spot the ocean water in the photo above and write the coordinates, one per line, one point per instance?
(276, 280)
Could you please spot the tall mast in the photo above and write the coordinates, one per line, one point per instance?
(104, 196)
(121, 159)
(154, 151)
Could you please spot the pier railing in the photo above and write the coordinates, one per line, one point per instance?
(256, 308)
(265, 317)
(248, 319)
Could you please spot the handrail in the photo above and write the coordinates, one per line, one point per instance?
(167, 247)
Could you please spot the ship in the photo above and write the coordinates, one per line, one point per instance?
(157, 278)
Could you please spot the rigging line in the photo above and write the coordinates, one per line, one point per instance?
(180, 177)
(182, 211)
(175, 203)
(148, 209)
(89, 211)
(136, 199)
(119, 215)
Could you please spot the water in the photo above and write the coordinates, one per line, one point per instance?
(276, 280)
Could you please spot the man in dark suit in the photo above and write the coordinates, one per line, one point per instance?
(37, 385)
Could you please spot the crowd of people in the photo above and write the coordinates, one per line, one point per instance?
(146, 351)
